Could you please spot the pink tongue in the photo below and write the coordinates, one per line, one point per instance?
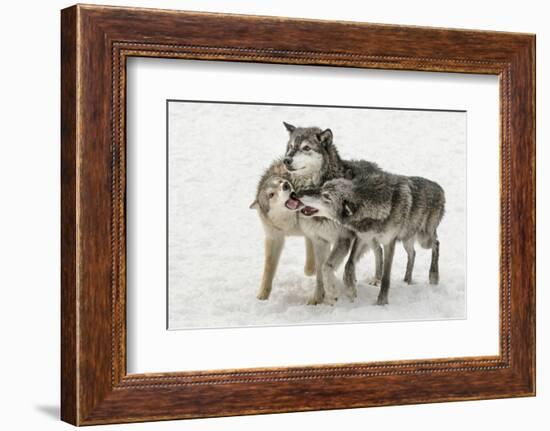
(292, 203)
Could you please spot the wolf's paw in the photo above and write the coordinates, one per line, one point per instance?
(330, 299)
(408, 280)
(351, 293)
(263, 295)
(331, 292)
(309, 270)
(374, 281)
(350, 280)
(315, 300)
(382, 300)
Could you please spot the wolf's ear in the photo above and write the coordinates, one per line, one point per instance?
(325, 137)
(289, 127)
(348, 209)
(254, 205)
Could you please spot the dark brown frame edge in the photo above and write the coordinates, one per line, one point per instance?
(95, 43)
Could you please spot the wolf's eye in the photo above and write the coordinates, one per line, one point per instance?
(306, 148)
(271, 195)
(326, 196)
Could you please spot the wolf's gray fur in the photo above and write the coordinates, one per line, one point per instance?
(325, 233)
(312, 159)
(384, 207)
(278, 222)
(306, 146)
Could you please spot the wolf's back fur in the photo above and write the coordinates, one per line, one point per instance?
(427, 210)
(383, 207)
(412, 205)
(321, 231)
(358, 168)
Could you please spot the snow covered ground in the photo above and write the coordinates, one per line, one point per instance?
(217, 153)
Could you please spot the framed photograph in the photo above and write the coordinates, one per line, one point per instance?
(265, 214)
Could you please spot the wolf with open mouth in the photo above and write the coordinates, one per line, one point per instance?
(324, 233)
(311, 160)
(278, 222)
(382, 207)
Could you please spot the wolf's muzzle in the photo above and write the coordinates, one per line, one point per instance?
(293, 203)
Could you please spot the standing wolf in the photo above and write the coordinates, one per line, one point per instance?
(311, 160)
(383, 207)
(278, 222)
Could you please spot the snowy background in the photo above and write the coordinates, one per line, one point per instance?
(216, 154)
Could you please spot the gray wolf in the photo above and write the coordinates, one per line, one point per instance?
(324, 234)
(382, 207)
(311, 159)
(280, 218)
(278, 222)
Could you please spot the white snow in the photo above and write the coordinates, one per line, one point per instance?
(217, 153)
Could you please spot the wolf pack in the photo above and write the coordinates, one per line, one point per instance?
(343, 208)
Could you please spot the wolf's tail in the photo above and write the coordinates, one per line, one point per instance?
(427, 234)
(437, 212)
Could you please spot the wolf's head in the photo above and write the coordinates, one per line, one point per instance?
(334, 200)
(310, 153)
(273, 194)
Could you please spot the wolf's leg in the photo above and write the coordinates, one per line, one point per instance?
(411, 254)
(378, 263)
(433, 242)
(388, 259)
(337, 255)
(309, 267)
(434, 267)
(350, 280)
(321, 249)
(273, 248)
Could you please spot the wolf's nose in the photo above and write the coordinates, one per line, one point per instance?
(293, 196)
(287, 161)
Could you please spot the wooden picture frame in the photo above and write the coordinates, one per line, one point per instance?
(95, 43)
